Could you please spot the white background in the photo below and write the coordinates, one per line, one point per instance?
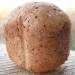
(63, 4)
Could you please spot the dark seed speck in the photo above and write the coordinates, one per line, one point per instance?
(55, 50)
(32, 49)
(54, 9)
(36, 7)
(25, 19)
(24, 26)
(44, 25)
(28, 20)
(18, 29)
(41, 45)
(36, 17)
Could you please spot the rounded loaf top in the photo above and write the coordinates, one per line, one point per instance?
(40, 18)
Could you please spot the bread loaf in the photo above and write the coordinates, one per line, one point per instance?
(38, 36)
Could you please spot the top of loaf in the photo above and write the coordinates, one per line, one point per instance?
(39, 18)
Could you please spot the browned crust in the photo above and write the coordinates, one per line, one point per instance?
(37, 36)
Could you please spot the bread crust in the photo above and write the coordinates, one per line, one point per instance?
(38, 36)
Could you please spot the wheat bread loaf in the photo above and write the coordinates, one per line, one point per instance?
(38, 36)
